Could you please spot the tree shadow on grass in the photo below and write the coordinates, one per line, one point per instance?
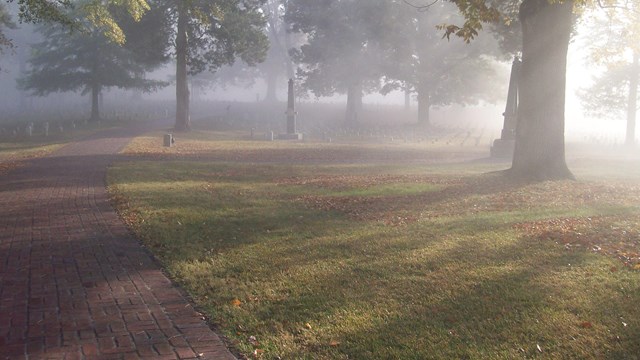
(467, 301)
(479, 313)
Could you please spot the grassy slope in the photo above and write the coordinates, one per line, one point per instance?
(393, 261)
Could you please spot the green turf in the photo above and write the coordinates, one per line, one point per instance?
(367, 261)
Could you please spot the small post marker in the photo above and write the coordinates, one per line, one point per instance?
(169, 140)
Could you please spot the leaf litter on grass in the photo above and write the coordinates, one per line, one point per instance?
(617, 236)
(528, 211)
(614, 235)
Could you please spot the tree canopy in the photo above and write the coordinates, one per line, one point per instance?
(89, 61)
(614, 48)
(5, 22)
(100, 14)
(209, 35)
(441, 72)
(341, 48)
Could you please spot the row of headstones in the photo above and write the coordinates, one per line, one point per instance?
(29, 129)
(461, 137)
(270, 135)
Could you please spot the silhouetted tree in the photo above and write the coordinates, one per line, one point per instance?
(341, 49)
(546, 30)
(614, 47)
(440, 72)
(89, 61)
(209, 35)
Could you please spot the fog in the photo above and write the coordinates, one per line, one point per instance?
(224, 93)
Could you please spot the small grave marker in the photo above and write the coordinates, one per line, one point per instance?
(504, 147)
(169, 140)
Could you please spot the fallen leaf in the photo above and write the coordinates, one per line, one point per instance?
(236, 302)
(586, 325)
(334, 343)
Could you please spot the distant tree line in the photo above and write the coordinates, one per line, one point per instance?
(333, 47)
(351, 47)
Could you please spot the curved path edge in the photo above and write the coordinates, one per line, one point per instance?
(74, 283)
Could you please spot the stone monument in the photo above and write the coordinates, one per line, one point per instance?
(292, 133)
(503, 147)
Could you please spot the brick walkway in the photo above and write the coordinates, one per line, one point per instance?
(74, 284)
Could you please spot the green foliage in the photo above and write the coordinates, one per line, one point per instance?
(417, 59)
(73, 14)
(341, 48)
(221, 31)
(102, 17)
(83, 61)
(36, 11)
(5, 23)
(503, 15)
(92, 60)
(475, 13)
(613, 48)
(608, 96)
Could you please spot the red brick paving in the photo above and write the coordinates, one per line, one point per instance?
(74, 284)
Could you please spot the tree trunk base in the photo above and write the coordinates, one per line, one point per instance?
(182, 128)
(541, 173)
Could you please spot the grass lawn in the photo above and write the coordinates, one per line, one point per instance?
(338, 251)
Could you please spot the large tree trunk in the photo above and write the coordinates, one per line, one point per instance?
(632, 105)
(95, 102)
(424, 107)
(182, 86)
(354, 104)
(540, 148)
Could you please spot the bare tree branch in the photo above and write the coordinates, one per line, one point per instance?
(421, 7)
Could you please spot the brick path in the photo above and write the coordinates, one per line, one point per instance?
(74, 284)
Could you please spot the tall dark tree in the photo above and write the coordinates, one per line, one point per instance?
(90, 62)
(546, 30)
(210, 34)
(440, 72)
(341, 50)
(539, 147)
